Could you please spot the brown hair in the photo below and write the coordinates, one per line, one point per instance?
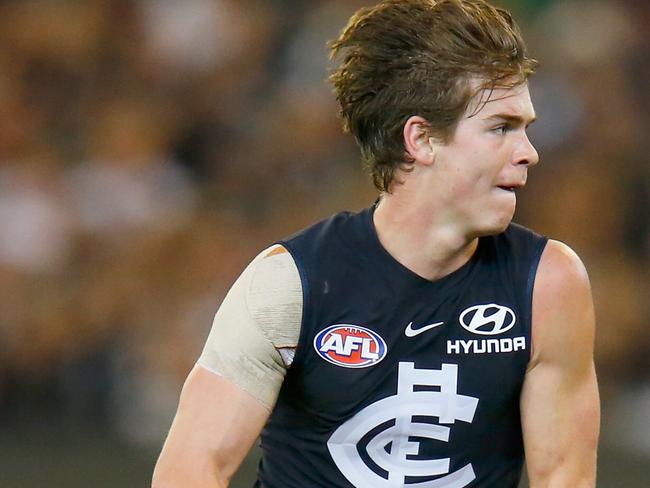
(418, 57)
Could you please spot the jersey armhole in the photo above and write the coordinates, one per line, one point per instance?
(530, 286)
(304, 285)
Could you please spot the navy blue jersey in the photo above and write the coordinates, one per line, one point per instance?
(400, 381)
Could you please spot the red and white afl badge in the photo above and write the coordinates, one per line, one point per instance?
(350, 346)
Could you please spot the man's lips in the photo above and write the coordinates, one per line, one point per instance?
(511, 186)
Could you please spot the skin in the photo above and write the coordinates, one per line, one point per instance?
(215, 426)
(431, 219)
(430, 222)
(560, 408)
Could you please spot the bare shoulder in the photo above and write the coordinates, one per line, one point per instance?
(560, 267)
(563, 317)
(560, 409)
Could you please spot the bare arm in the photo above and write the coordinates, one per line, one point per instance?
(215, 426)
(560, 404)
(228, 395)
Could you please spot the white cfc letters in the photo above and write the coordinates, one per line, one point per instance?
(390, 448)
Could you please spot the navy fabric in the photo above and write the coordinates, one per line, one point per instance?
(349, 278)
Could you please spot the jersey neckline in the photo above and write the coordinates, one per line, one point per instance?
(393, 265)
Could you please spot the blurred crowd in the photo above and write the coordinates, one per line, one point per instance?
(150, 148)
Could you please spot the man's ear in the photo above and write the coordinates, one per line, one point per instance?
(417, 142)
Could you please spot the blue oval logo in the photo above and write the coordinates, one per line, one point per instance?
(350, 346)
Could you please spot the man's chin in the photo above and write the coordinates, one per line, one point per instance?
(497, 226)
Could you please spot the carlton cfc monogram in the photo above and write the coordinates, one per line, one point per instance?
(390, 448)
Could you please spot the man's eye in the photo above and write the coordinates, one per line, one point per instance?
(502, 129)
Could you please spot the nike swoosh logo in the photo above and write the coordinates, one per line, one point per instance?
(411, 332)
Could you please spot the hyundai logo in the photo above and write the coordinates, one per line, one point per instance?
(490, 319)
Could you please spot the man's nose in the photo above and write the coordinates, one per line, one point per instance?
(526, 152)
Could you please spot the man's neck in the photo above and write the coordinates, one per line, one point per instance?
(427, 242)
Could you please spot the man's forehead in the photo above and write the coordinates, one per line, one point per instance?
(513, 101)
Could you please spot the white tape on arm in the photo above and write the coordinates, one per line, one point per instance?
(256, 328)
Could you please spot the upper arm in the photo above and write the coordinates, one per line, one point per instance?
(214, 428)
(260, 317)
(229, 394)
(559, 404)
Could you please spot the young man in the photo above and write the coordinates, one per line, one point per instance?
(425, 341)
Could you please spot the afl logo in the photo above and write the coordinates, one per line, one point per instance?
(490, 319)
(350, 346)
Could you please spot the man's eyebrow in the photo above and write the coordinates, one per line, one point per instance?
(513, 119)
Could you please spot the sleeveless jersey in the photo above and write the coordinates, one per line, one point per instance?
(399, 381)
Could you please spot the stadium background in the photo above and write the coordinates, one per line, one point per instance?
(150, 148)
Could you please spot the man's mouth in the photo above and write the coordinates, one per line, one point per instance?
(507, 188)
